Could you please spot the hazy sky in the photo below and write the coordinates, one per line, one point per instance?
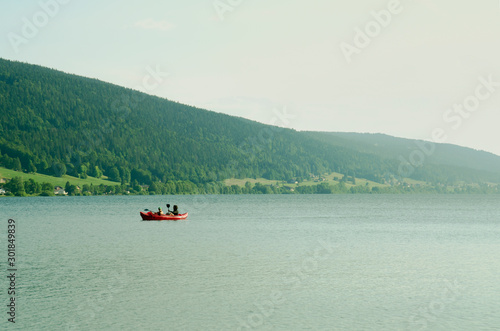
(404, 68)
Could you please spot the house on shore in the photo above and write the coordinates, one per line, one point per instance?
(60, 191)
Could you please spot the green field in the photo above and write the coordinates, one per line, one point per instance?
(242, 182)
(327, 178)
(55, 181)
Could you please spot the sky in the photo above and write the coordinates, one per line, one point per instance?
(407, 68)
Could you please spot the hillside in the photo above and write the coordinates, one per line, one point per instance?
(445, 154)
(59, 124)
(442, 162)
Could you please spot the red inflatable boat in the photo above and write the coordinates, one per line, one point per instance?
(150, 216)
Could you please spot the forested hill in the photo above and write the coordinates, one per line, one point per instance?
(55, 123)
(392, 147)
(442, 162)
(52, 121)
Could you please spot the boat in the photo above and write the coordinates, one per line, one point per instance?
(150, 216)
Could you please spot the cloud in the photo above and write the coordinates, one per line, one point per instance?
(151, 24)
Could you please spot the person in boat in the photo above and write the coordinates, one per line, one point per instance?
(160, 212)
(175, 211)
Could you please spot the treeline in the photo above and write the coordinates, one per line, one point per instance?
(18, 187)
(341, 188)
(55, 123)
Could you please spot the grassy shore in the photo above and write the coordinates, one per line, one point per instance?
(55, 181)
(333, 178)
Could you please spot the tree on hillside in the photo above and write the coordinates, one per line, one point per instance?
(70, 188)
(114, 175)
(125, 175)
(32, 187)
(82, 171)
(42, 166)
(31, 167)
(96, 172)
(17, 165)
(59, 169)
(16, 186)
(48, 188)
(153, 188)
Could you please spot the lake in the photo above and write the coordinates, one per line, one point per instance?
(266, 262)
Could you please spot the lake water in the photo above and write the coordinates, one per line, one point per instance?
(278, 262)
